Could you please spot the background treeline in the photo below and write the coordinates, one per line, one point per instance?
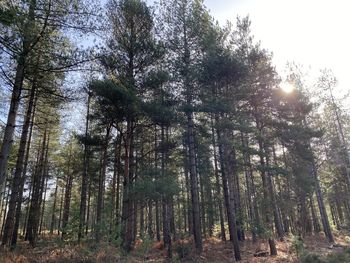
(186, 130)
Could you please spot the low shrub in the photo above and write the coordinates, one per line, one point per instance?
(183, 249)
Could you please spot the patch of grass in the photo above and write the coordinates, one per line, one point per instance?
(337, 257)
(183, 249)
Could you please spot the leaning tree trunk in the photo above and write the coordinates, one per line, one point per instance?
(324, 217)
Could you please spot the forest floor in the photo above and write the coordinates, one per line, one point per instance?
(50, 250)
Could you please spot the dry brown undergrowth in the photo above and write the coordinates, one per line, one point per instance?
(214, 250)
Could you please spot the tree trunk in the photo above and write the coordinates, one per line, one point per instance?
(85, 175)
(237, 194)
(115, 186)
(267, 195)
(165, 200)
(217, 185)
(34, 210)
(150, 220)
(250, 194)
(228, 188)
(127, 209)
(16, 94)
(324, 217)
(67, 196)
(5, 207)
(60, 212)
(271, 190)
(24, 173)
(315, 222)
(88, 208)
(157, 222)
(43, 207)
(101, 183)
(53, 216)
(194, 185)
(19, 177)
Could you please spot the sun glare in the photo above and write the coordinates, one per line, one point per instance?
(287, 87)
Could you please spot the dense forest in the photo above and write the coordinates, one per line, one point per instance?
(127, 123)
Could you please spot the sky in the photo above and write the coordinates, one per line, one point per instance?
(313, 33)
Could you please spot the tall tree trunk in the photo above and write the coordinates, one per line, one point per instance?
(271, 190)
(188, 196)
(194, 184)
(150, 220)
(101, 184)
(24, 173)
(165, 199)
(217, 185)
(237, 194)
(53, 215)
(157, 222)
(114, 217)
(19, 177)
(43, 207)
(315, 222)
(34, 210)
(85, 176)
(118, 170)
(88, 208)
(5, 208)
(16, 94)
(250, 194)
(202, 203)
(127, 208)
(67, 195)
(60, 212)
(324, 217)
(228, 188)
(156, 167)
(267, 195)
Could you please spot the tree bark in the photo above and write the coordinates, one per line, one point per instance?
(127, 209)
(19, 177)
(67, 195)
(34, 210)
(53, 215)
(217, 184)
(194, 185)
(85, 176)
(101, 184)
(228, 187)
(321, 206)
(248, 181)
(16, 94)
